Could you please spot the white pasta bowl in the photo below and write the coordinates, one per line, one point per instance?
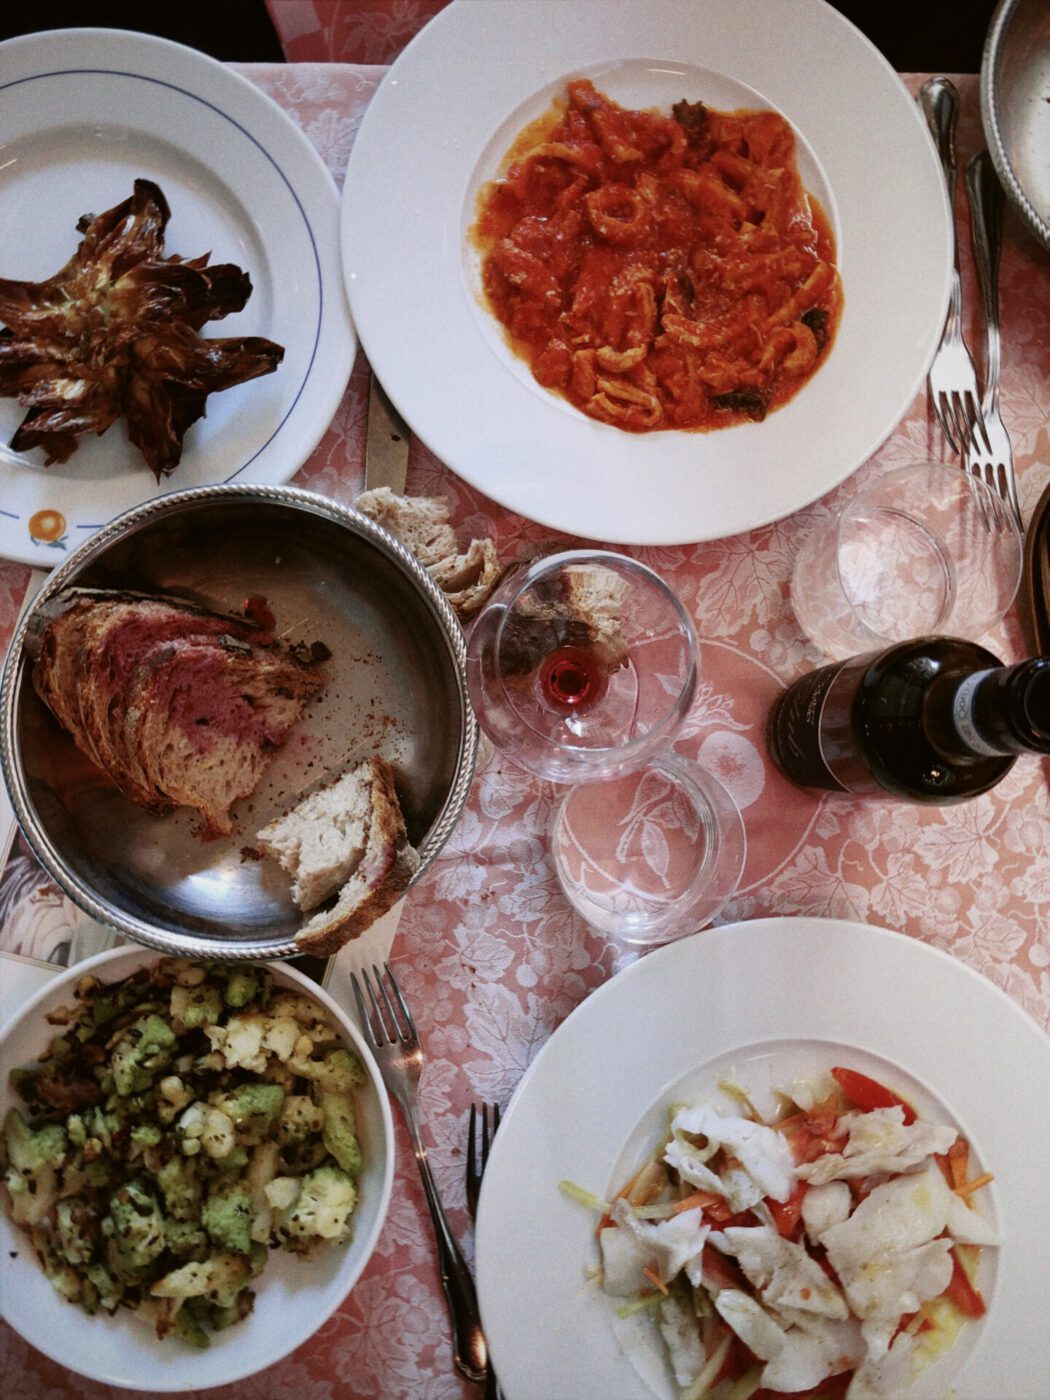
(294, 1296)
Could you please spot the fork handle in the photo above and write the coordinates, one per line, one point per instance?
(939, 100)
(986, 234)
(469, 1351)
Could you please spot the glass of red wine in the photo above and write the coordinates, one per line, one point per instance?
(581, 669)
(582, 665)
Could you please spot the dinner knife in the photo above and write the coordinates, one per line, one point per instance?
(387, 440)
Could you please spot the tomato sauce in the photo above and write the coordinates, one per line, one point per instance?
(660, 272)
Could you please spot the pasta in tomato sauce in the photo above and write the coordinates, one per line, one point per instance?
(660, 272)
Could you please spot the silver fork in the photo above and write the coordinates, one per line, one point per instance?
(391, 1033)
(477, 1157)
(996, 465)
(952, 379)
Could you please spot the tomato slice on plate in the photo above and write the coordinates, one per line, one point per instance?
(866, 1094)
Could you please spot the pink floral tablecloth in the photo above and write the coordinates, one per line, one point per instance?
(487, 950)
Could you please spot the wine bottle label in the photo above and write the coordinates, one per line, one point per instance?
(962, 717)
(794, 734)
(811, 736)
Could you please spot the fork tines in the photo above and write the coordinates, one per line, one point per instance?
(387, 1021)
(476, 1163)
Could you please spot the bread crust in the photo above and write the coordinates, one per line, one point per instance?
(387, 863)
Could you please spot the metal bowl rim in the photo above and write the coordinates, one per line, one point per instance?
(994, 39)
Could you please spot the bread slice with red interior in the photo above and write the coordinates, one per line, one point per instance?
(178, 705)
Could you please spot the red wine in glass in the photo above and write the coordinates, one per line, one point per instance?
(572, 679)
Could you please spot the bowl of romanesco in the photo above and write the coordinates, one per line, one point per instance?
(196, 1161)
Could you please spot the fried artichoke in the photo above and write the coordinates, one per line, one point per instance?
(115, 334)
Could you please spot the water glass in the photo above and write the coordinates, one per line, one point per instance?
(925, 548)
(651, 855)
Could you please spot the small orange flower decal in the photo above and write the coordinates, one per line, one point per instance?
(48, 527)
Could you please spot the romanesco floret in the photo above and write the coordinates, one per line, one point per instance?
(339, 1132)
(242, 986)
(32, 1157)
(252, 1109)
(138, 1225)
(180, 1186)
(227, 1217)
(196, 1006)
(145, 1047)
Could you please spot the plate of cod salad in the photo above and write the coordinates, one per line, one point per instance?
(777, 1158)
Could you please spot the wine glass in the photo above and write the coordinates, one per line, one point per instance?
(581, 665)
(581, 669)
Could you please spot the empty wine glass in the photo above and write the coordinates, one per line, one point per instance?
(581, 665)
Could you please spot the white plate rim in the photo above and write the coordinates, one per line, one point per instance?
(898, 999)
(522, 447)
(107, 1349)
(202, 85)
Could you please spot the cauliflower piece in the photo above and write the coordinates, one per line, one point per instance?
(33, 1157)
(191, 1007)
(240, 1041)
(219, 1137)
(219, 1278)
(172, 1096)
(321, 1209)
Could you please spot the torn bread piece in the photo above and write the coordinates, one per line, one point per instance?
(466, 576)
(347, 840)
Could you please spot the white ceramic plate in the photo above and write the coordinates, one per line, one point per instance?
(436, 130)
(82, 113)
(770, 999)
(293, 1297)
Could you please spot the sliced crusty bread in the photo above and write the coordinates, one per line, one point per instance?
(347, 841)
(204, 720)
(178, 705)
(466, 577)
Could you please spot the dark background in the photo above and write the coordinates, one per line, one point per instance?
(916, 36)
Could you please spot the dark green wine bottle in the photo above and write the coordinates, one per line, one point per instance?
(934, 720)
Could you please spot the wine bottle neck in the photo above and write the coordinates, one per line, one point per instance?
(1003, 710)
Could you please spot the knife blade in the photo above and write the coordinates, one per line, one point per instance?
(387, 441)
